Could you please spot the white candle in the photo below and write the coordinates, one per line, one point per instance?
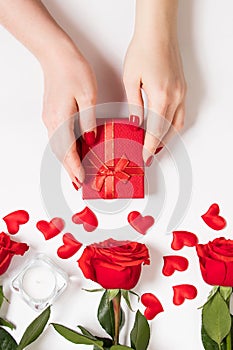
(39, 282)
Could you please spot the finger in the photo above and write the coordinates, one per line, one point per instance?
(157, 126)
(63, 144)
(171, 110)
(76, 184)
(177, 125)
(73, 163)
(135, 101)
(87, 119)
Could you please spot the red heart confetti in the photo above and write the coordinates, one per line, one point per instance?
(213, 219)
(140, 223)
(183, 238)
(152, 304)
(182, 292)
(87, 218)
(173, 263)
(70, 246)
(15, 219)
(52, 228)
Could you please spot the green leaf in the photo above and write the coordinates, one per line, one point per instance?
(122, 319)
(119, 347)
(125, 294)
(93, 290)
(75, 337)
(207, 342)
(2, 297)
(106, 314)
(216, 318)
(140, 334)
(225, 292)
(213, 291)
(107, 341)
(223, 346)
(7, 342)
(6, 323)
(35, 329)
(87, 333)
(112, 293)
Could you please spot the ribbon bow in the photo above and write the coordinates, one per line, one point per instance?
(105, 171)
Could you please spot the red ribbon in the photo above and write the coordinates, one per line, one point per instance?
(115, 171)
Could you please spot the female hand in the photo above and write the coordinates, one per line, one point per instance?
(70, 86)
(153, 63)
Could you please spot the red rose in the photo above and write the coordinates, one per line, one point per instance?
(114, 264)
(216, 261)
(8, 249)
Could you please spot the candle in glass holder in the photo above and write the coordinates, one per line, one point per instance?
(39, 282)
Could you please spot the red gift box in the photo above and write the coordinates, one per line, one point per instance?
(114, 164)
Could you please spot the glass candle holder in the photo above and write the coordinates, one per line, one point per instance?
(40, 282)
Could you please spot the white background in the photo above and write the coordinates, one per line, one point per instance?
(102, 29)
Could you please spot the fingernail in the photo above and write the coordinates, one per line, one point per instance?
(158, 150)
(79, 182)
(75, 186)
(89, 137)
(134, 119)
(149, 161)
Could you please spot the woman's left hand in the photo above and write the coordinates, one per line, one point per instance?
(153, 63)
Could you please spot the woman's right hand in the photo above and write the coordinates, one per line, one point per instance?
(70, 86)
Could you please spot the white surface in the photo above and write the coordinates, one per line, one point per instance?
(103, 29)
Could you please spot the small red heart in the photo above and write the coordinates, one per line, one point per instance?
(52, 228)
(140, 223)
(15, 219)
(87, 218)
(182, 292)
(70, 247)
(173, 263)
(213, 219)
(183, 238)
(152, 304)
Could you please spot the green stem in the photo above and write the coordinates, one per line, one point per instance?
(117, 308)
(228, 337)
(228, 341)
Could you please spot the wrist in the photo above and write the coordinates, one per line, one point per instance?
(57, 50)
(156, 20)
